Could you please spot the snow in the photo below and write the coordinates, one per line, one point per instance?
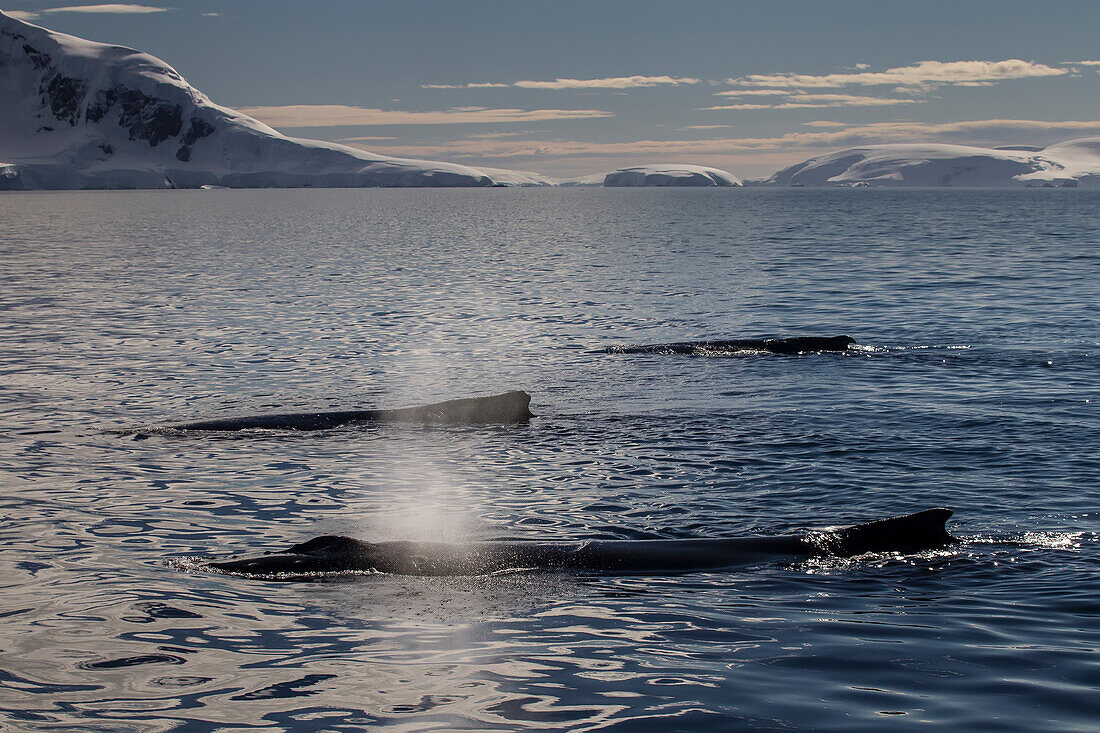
(1071, 163)
(505, 177)
(595, 179)
(669, 174)
(1078, 160)
(79, 114)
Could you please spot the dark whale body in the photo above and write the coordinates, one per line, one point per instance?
(332, 554)
(793, 345)
(503, 408)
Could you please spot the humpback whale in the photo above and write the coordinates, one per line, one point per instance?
(793, 345)
(334, 554)
(502, 408)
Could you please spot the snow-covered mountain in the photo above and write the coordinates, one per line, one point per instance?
(1069, 164)
(78, 114)
(659, 174)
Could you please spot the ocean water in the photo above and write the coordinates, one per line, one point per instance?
(976, 387)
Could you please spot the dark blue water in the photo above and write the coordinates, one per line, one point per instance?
(976, 388)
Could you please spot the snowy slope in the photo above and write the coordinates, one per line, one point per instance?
(1078, 160)
(1072, 163)
(669, 174)
(78, 114)
(505, 177)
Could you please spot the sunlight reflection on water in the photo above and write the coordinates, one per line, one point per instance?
(975, 388)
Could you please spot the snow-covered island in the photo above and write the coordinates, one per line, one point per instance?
(79, 114)
(1067, 164)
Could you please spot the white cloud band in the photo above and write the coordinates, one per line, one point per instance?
(822, 134)
(611, 82)
(335, 115)
(110, 9)
(920, 74)
(820, 101)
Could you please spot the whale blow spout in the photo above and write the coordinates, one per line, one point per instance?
(792, 345)
(509, 407)
(332, 554)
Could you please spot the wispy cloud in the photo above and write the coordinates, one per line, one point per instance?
(335, 115)
(109, 9)
(611, 82)
(1081, 63)
(922, 74)
(822, 134)
(821, 101)
(754, 93)
(471, 85)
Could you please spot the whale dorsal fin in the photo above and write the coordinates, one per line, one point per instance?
(909, 533)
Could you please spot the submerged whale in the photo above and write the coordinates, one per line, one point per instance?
(333, 554)
(508, 407)
(793, 345)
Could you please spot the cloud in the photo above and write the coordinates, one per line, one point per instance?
(471, 85)
(493, 135)
(1069, 63)
(113, 9)
(923, 74)
(335, 115)
(824, 134)
(850, 100)
(821, 101)
(754, 93)
(613, 82)
(747, 105)
(22, 14)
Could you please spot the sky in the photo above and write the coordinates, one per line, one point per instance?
(569, 88)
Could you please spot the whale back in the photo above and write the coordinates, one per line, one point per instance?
(510, 407)
(807, 344)
(790, 346)
(918, 532)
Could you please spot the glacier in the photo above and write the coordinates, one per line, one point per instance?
(1068, 164)
(79, 114)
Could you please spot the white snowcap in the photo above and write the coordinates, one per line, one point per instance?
(937, 164)
(670, 174)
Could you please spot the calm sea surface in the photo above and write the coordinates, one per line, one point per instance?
(977, 388)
